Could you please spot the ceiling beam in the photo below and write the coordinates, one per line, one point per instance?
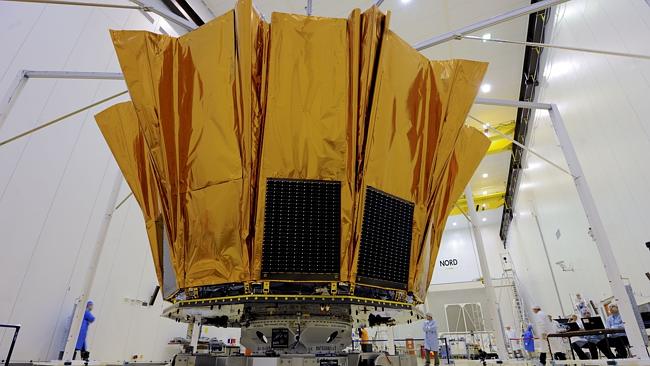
(567, 48)
(512, 103)
(486, 23)
(151, 7)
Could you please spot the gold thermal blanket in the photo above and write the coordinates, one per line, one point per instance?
(220, 109)
(119, 125)
(310, 125)
(198, 105)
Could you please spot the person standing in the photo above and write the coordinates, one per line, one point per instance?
(542, 327)
(83, 332)
(431, 343)
(366, 346)
(529, 340)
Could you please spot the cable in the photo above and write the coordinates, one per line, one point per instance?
(546, 45)
(123, 200)
(77, 3)
(487, 125)
(61, 118)
(31, 257)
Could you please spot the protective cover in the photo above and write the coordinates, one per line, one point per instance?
(469, 150)
(119, 125)
(311, 117)
(312, 104)
(198, 103)
(412, 130)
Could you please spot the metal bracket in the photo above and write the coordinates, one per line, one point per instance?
(333, 288)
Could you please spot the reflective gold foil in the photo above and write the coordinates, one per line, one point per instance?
(237, 101)
(401, 132)
(186, 93)
(119, 125)
(374, 24)
(417, 111)
(252, 39)
(310, 125)
(470, 148)
(457, 83)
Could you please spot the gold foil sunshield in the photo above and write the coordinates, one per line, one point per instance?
(119, 126)
(309, 130)
(417, 112)
(186, 93)
(218, 111)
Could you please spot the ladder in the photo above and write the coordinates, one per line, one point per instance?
(518, 302)
(518, 306)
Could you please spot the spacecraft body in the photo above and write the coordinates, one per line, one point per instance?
(297, 171)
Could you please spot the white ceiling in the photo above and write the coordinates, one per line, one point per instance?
(496, 167)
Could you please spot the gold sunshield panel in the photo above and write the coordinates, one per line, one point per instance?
(307, 151)
(199, 112)
(119, 126)
(307, 168)
(411, 135)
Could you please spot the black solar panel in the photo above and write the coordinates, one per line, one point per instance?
(385, 240)
(302, 225)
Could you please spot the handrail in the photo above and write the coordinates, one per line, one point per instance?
(16, 328)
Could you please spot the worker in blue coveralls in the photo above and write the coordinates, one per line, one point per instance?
(431, 343)
(83, 332)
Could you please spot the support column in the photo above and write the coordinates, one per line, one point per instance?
(92, 270)
(194, 332)
(390, 340)
(493, 311)
(12, 94)
(548, 260)
(622, 298)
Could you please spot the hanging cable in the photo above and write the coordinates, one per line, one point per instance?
(78, 3)
(124, 200)
(546, 45)
(487, 126)
(463, 212)
(59, 119)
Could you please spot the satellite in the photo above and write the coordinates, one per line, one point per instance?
(295, 176)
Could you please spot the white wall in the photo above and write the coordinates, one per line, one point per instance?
(54, 187)
(461, 283)
(458, 243)
(604, 102)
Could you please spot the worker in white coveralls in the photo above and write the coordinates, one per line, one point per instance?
(431, 343)
(542, 327)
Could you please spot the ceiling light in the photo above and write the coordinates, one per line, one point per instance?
(454, 223)
(485, 88)
(484, 219)
(406, 1)
(485, 175)
(486, 36)
(484, 205)
(485, 193)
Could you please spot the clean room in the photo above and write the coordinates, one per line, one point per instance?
(386, 182)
